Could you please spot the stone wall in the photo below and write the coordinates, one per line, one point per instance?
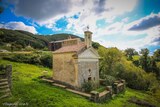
(7, 73)
(71, 41)
(64, 68)
(119, 86)
(102, 96)
(88, 71)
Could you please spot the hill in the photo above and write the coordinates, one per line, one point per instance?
(21, 39)
(62, 36)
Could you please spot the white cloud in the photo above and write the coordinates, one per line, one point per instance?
(90, 11)
(151, 36)
(114, 28)
(121, 27)
(150, 30)
(121, 44)
(125, 19)
(18, 26)
(108, 11)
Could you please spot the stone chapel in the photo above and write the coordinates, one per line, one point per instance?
(76, 62)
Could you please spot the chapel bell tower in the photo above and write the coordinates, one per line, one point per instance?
(88, 38)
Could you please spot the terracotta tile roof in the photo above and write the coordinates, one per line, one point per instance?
(71, 48)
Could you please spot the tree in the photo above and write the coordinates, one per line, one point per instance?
(130, 52)
(158, 69)
(144, 59)
(110, 57)
(144, 52)
(152, 65)
(95, 45)
(156, 55)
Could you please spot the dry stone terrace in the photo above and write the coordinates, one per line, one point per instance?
(94, 96)
(5, 81)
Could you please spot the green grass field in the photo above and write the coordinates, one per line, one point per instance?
(30, 91)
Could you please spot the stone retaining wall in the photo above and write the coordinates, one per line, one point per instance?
(102, 96)
(7, 74)
(119, 86)
(97, 97)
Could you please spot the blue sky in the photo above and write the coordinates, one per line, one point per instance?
(114, 23)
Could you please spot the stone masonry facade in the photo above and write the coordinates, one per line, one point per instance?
(88, 71)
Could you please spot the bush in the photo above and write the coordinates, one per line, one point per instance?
(135, 77)
(109, 80)
(29, 48)
(157, 94)
(46, 60)
(87, 86)
(36, 58)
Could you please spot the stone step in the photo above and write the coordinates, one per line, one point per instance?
(59, 85)
(5, 86)
(5, 95)
(3, 80)
(3, 83)
(103, 93)
(47, 80)
(5, 91)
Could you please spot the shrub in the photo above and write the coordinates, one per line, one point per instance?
(29, 48)
(87, 86)
(157, 94)
(46, 60)
(135, 77)
(109, 80)
(151, 81)
(37, 58)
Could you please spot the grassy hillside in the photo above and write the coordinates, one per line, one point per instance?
(21, 39)
(28, 89)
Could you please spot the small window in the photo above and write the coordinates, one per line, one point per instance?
(89, 78)
(89, 70)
